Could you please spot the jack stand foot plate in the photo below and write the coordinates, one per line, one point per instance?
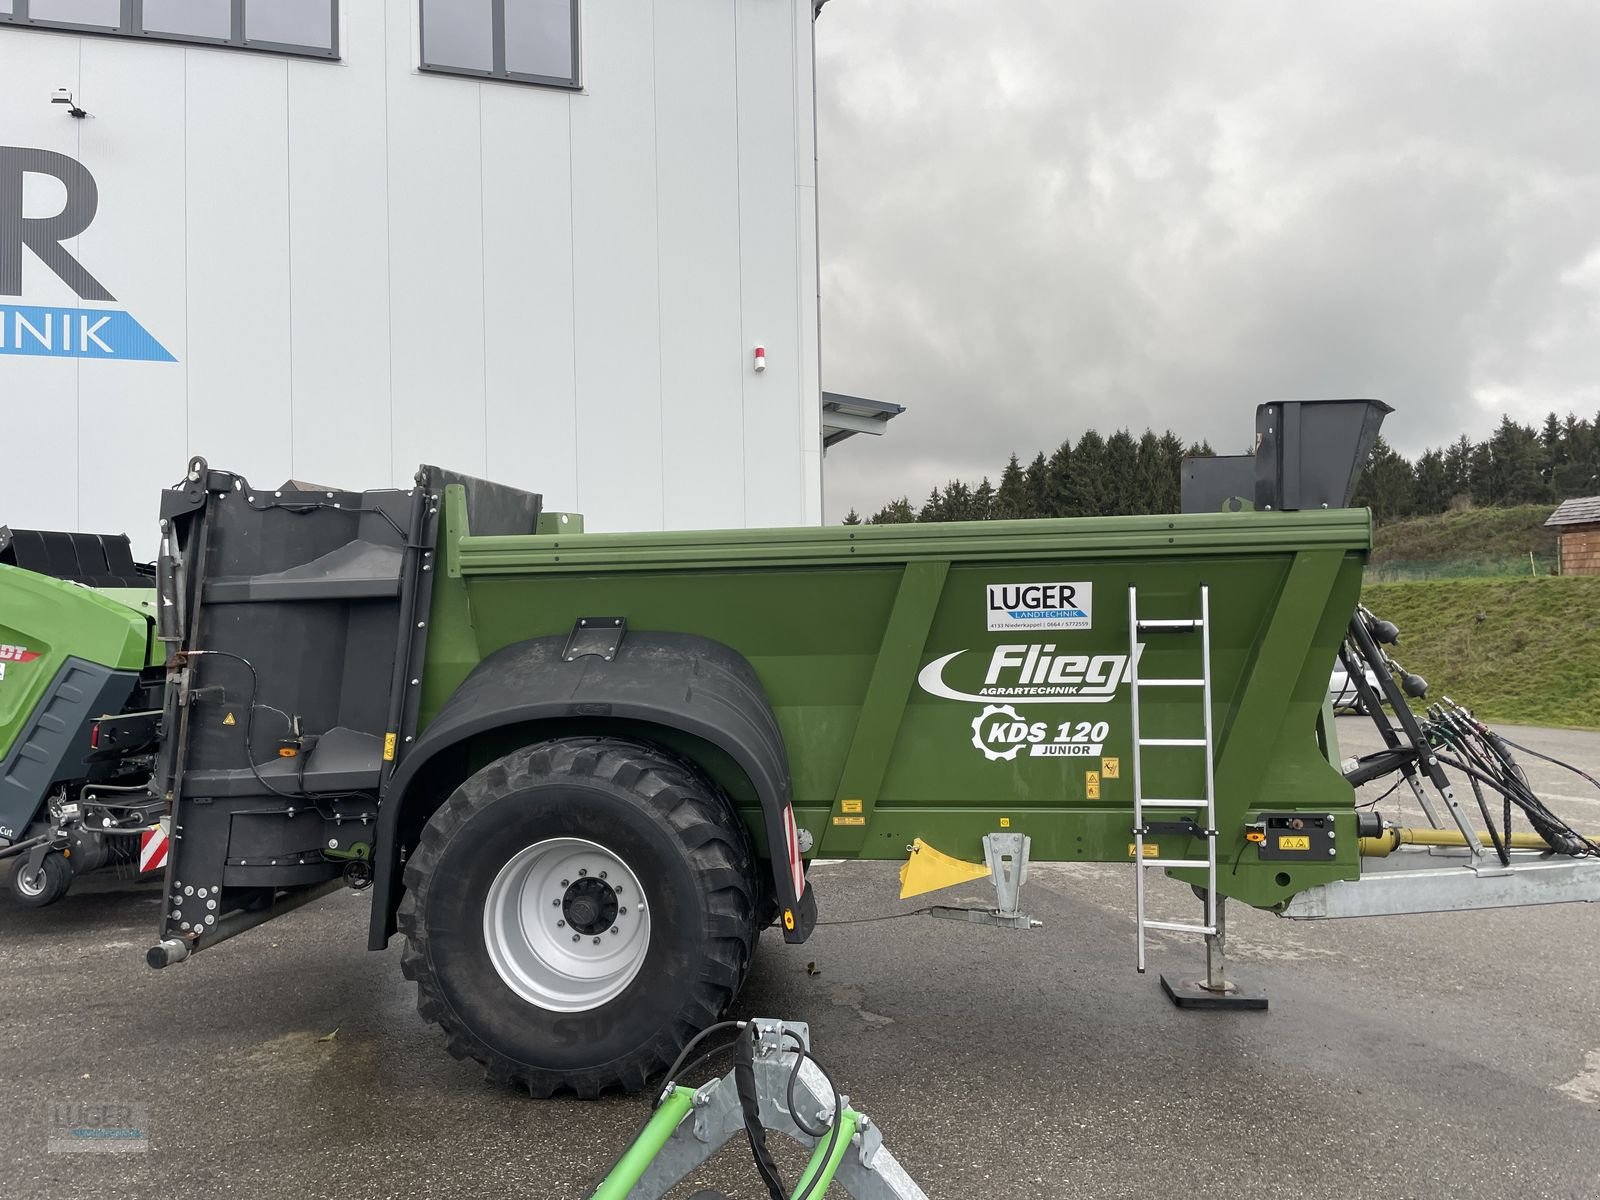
(1193, 993)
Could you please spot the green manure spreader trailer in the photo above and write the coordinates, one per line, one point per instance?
(582, 772)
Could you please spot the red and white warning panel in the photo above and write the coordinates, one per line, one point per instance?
(791, 835)
(153, 846)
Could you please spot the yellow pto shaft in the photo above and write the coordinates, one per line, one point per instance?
(1392, 839)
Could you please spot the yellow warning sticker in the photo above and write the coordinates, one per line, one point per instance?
(1005, 822)
(228, 720)
(1151, 850)
(849, 806)
(1091, 785)
(849, 820)
(1111, 768)
(388, 747)
(1294, 842)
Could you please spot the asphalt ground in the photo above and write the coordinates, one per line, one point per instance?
(1418, 1056)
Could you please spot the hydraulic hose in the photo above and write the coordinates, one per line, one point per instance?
(744, 1077)
(1450, 736)
(1560, 836)
(827, 1156)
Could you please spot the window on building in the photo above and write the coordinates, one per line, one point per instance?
(290, 23)
(530, 41)
(190, 18)
(309, 27)
(102, 14)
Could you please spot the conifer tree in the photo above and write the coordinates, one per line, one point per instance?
(1036, 484)
(982, 501)
(1011, 499)
(1432, 491)
(1058, 482)
(957, 502)
(1086, 490)
(898, 512)
(1119, 478)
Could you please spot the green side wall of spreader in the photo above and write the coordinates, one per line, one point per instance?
(861, 635)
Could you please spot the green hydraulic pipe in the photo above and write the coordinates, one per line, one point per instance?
(819, 1172)
(638, 1157)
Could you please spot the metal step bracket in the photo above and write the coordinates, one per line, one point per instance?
(597, 636)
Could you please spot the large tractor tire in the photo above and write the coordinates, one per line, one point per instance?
(577, 911)
(43, 887)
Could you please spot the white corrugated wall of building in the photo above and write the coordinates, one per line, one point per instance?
(359, 266)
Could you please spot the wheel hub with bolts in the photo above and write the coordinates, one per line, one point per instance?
(589, 905)
(565, 925)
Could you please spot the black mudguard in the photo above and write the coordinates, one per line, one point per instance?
(673, 681)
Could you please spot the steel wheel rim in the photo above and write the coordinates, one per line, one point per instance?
(545, 926)
(31, 888)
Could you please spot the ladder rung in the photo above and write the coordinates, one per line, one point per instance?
(1172, 741)
(1180, 927)
(1185, 623)
(1175, 862)
(1172, 803)
(1172, 683)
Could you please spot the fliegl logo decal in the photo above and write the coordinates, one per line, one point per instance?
(51, 331)
(1038, 606)
(1031, 672)
(1001, 733)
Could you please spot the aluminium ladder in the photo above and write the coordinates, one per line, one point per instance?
(1204, 808)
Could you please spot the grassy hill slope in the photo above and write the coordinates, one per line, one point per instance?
(1478, 542)
(1525, 651)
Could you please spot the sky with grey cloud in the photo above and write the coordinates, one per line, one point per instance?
(1042, 216)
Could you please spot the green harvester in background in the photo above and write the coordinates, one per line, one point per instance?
(81, 679)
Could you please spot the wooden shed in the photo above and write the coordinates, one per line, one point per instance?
(1577, 526)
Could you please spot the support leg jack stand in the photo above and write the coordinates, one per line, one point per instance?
(690, 1125)
(1216, 990)
(1006, 855)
